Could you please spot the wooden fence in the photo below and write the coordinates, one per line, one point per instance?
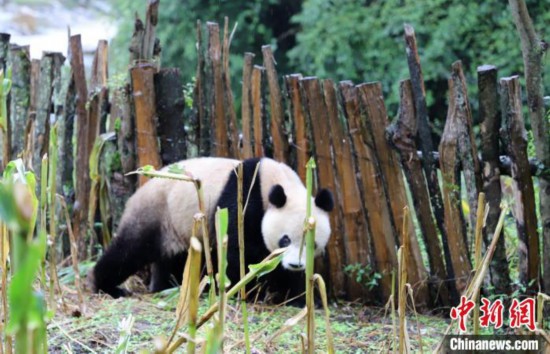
(373, 167)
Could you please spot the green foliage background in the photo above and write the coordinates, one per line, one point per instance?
(349, 39)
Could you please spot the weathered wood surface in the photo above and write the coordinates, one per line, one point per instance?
(246, 107)
(534, 50)
(514, 136)
(449, 152)
(65, 155)
(354, 241)
(20, 61)
(41, 126)
(466, 141)
(425, 141)
(231, 114)
(144, 46)
(5, 134)
(169, 107)
(4, 50)
(490, 122)
(99, 93)
(403, 135)
(372, 190)
(202, 128)
(257, 109)
(82, 162)
(219, 144)
(278, 132)
(316, 110)
(122, 186)
(143, 90)
(376, 121)
(300, 129)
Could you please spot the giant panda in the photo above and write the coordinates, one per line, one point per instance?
(155, 227)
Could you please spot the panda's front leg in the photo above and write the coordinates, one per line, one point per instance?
(167, 272)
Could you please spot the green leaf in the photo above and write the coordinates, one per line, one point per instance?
(266, 267)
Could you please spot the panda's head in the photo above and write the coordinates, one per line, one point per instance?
(284, 219)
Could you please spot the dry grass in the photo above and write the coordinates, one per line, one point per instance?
(356, 329)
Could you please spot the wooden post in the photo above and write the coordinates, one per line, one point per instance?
(524, 207)
(466, 141)
(5, 133)
(246, 107)
(231, 119)
(214, 86)
(425, 142)
(4, 50)
(41, 127)
(257, 110)
(99, 93)
(403, 135)
(20, 62)
(300, 133)
(356, 248)
(82, 163)
(393, 183)
(489, 116)
(65, 156)
(449, 152)
(202, 127)
(123, 186)
(144, 45)
(146, 133)
(280, 140)
(316, 110)
(169, 108)
(372, 191)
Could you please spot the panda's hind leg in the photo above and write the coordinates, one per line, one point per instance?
(167, 272)
(135, 246)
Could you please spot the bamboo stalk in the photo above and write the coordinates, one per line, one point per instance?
(195, 250)
(242, 270)
(480, 221)
(310, 254)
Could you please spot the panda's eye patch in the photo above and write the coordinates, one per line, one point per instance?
(284, 241)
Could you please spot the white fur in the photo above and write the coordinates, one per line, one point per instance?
(176, 203)
(290, 219)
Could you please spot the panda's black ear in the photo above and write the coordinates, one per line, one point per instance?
(277, 196)
(324, 200)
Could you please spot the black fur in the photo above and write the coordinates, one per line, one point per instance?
(139, 244)
(324, 200)
(286, 284)
(136, 245)
(277, 196)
